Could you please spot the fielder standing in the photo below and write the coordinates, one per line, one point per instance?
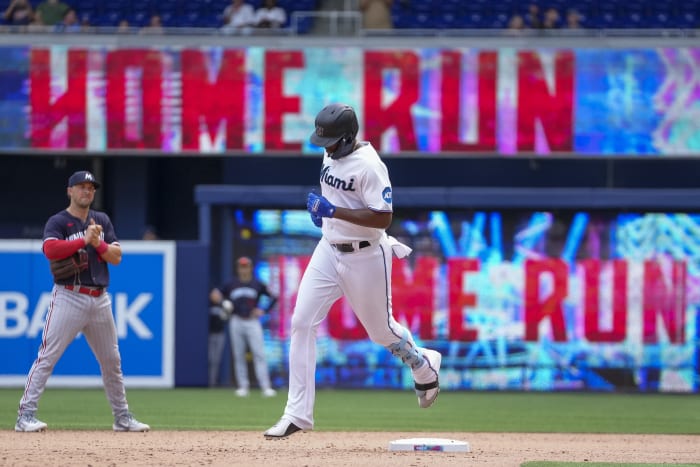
(243, 295)
(352, 259)
(79, 242)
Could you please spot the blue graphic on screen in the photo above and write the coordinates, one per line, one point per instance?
(615, 107)
(14, 96)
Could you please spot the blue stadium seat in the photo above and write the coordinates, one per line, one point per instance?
(118, 6)
(191, 7)
(169, 19)
(506, 8)
(688, 20)
(305, 24)
(585, 8)
(399, 11)
(588, 4)
(609, 8)
(216, 6)
(169, 7)
(422, 7)
(683, 6)
(199, 20)
(663, 15)
(635, 20)
(473, 15)
(207, 21)
(142, 7)
(661, 21)
(610, 20)
(407, 22)
(425, 21)
(447, 21)
(449, 8)
(107, 19)
(477, 20)
(499, 19)
(298, 5)
(139, 18)
(496, 22)
(84, 6)
(639, 7)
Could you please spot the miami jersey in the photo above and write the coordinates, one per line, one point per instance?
(358, 180)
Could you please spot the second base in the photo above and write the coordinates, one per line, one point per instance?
(429, 444)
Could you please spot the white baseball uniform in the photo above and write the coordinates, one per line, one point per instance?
(363, 276)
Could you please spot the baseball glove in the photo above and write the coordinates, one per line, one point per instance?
(69, 267)
(227, 306)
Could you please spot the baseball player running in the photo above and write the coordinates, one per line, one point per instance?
(79, 242)
(352, 259)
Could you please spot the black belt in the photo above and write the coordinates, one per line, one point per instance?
(349, 247)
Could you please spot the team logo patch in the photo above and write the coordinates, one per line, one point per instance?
(386, 195)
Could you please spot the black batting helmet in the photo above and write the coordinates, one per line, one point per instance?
(335, 122)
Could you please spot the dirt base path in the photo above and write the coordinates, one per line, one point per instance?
(331, 449)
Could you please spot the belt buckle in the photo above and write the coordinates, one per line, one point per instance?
(344, 247)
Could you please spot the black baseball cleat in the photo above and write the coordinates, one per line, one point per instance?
(281, 429)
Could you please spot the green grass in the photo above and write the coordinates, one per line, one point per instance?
(219, 409)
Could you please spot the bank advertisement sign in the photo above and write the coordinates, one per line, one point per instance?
(142, 291)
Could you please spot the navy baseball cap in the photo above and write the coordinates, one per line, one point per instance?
(83, 176)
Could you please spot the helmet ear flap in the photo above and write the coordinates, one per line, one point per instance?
(344, 147)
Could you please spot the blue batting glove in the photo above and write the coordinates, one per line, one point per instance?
(320, 206)
(317, 220)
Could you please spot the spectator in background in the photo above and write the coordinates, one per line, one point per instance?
(37, 24)
(573, 19)
(516, 25)
(155, 26)
(123, 27)
(551, 19)
(376, 14)
(52, 11)
(532, 18)
(239, 17)
(270, 15)
(85, 25)
(19, 13)
(69, 23)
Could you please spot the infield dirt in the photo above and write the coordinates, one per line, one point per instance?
(331, 449)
